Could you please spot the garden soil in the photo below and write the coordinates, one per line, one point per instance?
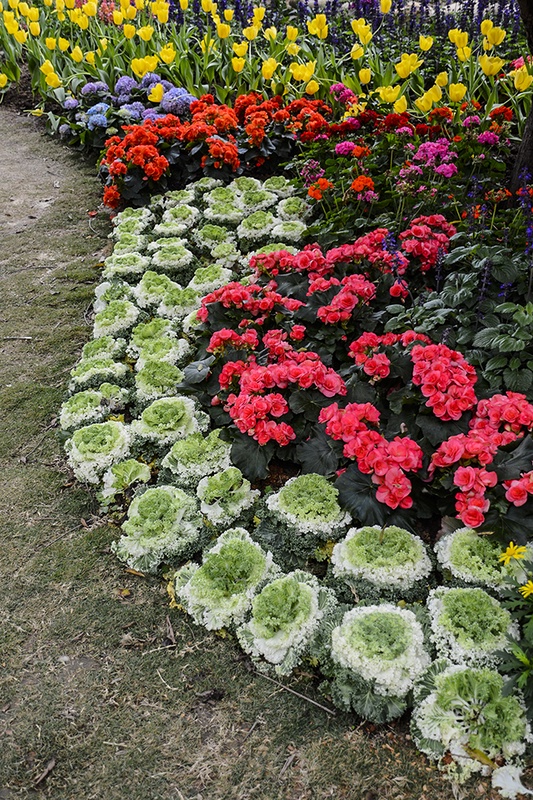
(105, 692)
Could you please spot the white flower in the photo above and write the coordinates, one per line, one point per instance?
(152, 288)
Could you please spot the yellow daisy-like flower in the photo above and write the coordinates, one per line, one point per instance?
(513, 551)
(527, 589)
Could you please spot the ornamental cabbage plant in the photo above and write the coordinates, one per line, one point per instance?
(286, 619)
(196, 457)
(163, 524)
(382, 563)
(225, 496)
(465, 558)
(93, 449)
(120, 477)
(463, 720)
(169, 419)
(219, 593)
(377, 654)
(469, 626)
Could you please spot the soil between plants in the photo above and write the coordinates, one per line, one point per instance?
(104, 692)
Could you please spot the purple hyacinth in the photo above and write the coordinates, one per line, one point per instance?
(94, 88)
(70, 103)
(97, 121)
(134, 110)
(99, 108)
(125, 85)
(149, 79)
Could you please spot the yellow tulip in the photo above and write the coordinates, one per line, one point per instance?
(13, 3)
(167, 53)
(389, 94)
(130, 12)
(157, 92)
(521, 78)
(34, 28)
(400, 106)
(102, 46)
(293, 49)
(240, 50)
(33, 14)
(145, 33)
(223, 30)
(206, 6)
(486, 44)
(207, 44)
(60, 15)
(496, 35)
(64, 44)
(184, 5)
(456, 91)
(442, 79)
(139, 5)
(268, 68)
(238, 64)
(129, 31)
(70, 3)
(490, 65)
(11, 26)
(76, 54)
(48, 3)
(3, 80)
(21, 36)
(407, 64)
(53, 81)
(228, 14)
(291, 33)
(90, 57)
(425, 43)
(365, 76)
(385, 6)
(250, 32)
(486, 26)
(162, 14)
(270, 33)
(259, 13)
(50, 43)
(318, 26)
(464, 53)
(424, 103)
(435, 93)
(365, 35)
(83, 22)
(47, 67)
(118, 17)
(459, 38)
(23, 8)
(151, 62)
(90, 8)
(312, 87)
(357, 52)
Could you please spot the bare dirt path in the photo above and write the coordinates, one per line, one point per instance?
(104, 693)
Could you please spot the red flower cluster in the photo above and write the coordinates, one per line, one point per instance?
(251, 407)
(387, 461)
(426, 238)
(364, 350)
(356, 290)
(220, 339)
(471, 503)
(518, 491)
(445, 378)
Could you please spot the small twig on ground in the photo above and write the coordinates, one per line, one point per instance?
(56, 539)
(16, 338)
(46, 772)
(172, 688)
(49, 427)
(259, 721)
(287, 764)
(301, 696)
